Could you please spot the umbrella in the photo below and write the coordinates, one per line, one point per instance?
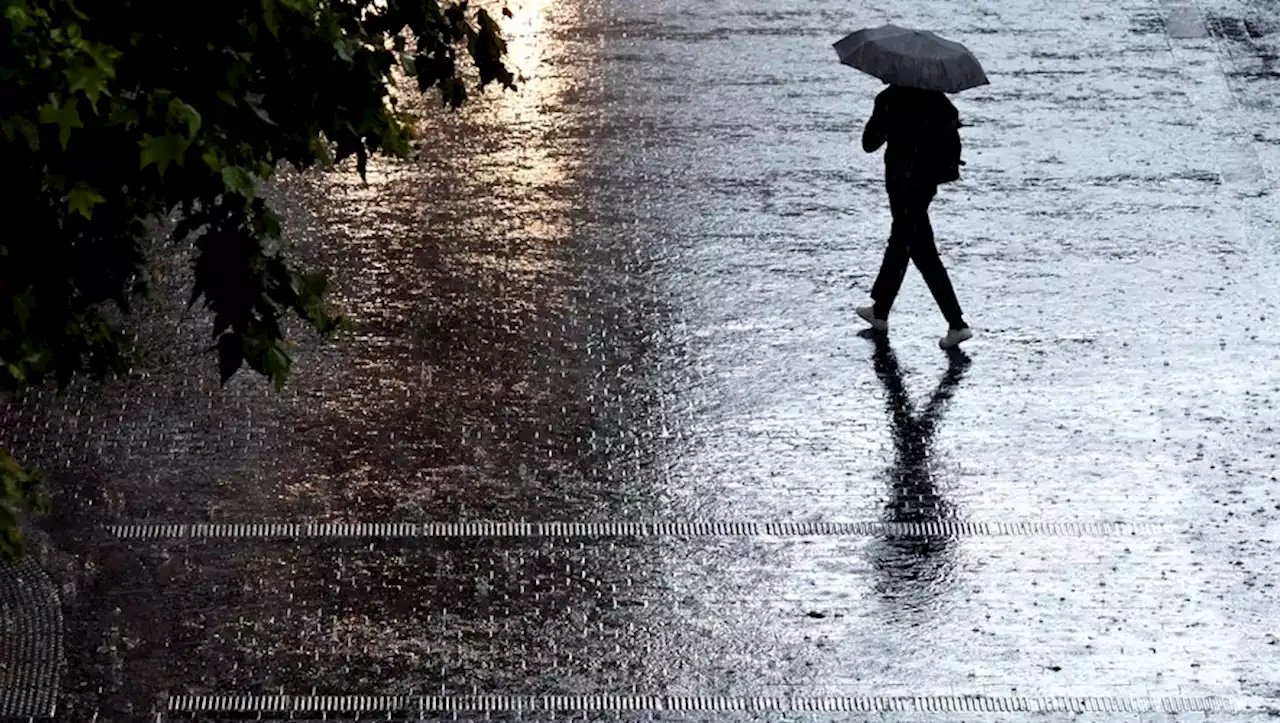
(914, 58)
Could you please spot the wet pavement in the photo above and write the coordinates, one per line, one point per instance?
(609, 444)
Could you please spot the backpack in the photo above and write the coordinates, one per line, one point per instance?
(947, 155)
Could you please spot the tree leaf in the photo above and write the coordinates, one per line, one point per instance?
(407, 62)
(212, 160)
(230, 355)
(83, 198)
(255, 104)
(267, 225)
(16, 372)
(271, 16)
(320, 148)
(19, 490)
(487, 49)
(17, 125)
(22, 305)
(65, 115)
(343, 47)
(238, 180)
(276, 364)
(104, 56)
(163, 150)
(362, 162)
(76, 11)
(311, 285)
(180, 112)
(221, 322)
(19, 16)
(92, 81)
(123, 115)
(453, 91)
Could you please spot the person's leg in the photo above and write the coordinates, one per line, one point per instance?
(924, 253)
(897, 255)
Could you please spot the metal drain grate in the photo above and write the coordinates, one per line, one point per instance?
(293, 530)
(30, 640)
(583, 703)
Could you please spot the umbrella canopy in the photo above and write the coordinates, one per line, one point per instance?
(914, 58)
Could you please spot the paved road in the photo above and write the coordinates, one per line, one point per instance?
(611, 317)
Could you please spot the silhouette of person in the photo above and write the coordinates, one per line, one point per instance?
(915, 124)
(913, 566)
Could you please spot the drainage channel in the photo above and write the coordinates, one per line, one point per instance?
(436, 704)
(295, 530)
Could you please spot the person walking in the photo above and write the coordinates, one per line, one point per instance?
(921, 128)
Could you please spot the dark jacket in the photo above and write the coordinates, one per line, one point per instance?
(920, 127)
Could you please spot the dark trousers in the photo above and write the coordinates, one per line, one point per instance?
(911, 240)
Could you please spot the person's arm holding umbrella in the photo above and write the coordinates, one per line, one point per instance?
(874, 135)
(949, 126)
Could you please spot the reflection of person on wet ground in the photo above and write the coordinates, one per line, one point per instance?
(920, 128)
(913, 561)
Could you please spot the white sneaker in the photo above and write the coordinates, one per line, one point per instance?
(868, 315)
(954, 337)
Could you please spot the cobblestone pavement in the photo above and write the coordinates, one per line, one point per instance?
(609, 445)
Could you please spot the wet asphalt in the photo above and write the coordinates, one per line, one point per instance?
(613, 445)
